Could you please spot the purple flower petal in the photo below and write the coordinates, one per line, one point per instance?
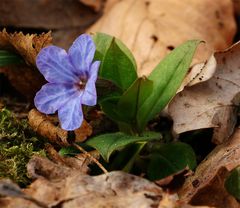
(89, 96)
(52, 96)
(71, 115)
(54, 64)
(81, 54)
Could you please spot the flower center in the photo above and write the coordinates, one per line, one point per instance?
(82, 84)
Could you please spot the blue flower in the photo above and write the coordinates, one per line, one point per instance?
(71, 81)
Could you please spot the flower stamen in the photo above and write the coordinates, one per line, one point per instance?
(82, 84)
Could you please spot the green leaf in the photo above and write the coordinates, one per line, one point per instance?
(169, 159)
(8, 58)
(167, 78)
(106, 144)
(106, 89)
(124, 109)
(117, 62)
(232, 183)
(109, 107)
(132, 100)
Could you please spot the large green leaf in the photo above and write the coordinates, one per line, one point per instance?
(167, 78)
(169, 159)
(117, 62)
(232, 183)
(106, 144)
(124, 109)
(8, 58)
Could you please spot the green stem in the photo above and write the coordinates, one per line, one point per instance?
(130, 163)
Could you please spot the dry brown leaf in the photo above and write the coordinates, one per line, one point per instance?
(79, 162)
(47, 14)
(152, 28)
(24, 77)
(57, 185)
(212, 103)
(206, 185)
(28, 46)
(48, 126)
(39, 167)
(214, 193)
(73, 189)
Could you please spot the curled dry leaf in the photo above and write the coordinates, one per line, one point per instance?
(24, 77)
(213, 103)
(72, 189)
(58, 185)
(209, 177)
(28, 46)
(79, 162)
(157, 26)
(58, 168)
(48, 127)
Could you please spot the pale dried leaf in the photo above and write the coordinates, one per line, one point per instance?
(210, 174)
(199, 73)
(72, 189)
(212, 103)
(8, 188)
(152, 28)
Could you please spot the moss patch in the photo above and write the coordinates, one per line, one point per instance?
(18, 143)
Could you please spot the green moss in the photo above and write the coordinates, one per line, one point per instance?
(18, 143)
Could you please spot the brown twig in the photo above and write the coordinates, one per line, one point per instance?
(91, 158)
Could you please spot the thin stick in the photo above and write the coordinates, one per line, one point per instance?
(91, 157)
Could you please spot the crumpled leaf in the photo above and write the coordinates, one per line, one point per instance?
(158, 26)
(28, 46)
(57, 185)
(48, 127)
(79, 162)
(210, 175)
(213, 103)
(58, 168)
(72, 189)
(24, 77)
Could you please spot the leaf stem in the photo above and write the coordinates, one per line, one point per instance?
(130, 163)
(91, 157)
